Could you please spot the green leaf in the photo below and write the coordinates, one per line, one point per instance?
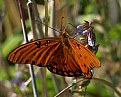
(11, 43)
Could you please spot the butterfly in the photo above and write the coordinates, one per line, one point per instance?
(61, 55)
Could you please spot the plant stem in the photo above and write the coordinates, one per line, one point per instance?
(39, 25)
(81, 81)
(46, 18)
(26, 40)
(32, 18)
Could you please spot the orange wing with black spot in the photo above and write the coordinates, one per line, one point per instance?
(84, 57)
(37, 52)
(63, 63)
(64, 56)
(73, 60)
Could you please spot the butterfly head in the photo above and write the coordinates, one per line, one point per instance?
(65, 35)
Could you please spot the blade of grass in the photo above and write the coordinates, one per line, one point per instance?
(26, 40)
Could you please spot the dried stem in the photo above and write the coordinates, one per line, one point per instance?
(32, 18)
(68, 87)
(38, 25)
(52, 25)
(26, 40)
(55, 82)
(53, 17)
(43, 70)
(46, 18)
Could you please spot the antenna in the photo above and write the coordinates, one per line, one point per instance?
(62, 24)
(72, 25)
(46, 25)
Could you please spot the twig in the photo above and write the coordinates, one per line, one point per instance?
(43, 70)
(30, 79)
(68, 87)
(32, 18)
(26, 40)
(52, 26)
(38, 25)
(46, 17)
(55, 82)
(53, 17)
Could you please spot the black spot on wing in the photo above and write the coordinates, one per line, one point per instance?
(78, 46)
(84, 65)
(38, 44)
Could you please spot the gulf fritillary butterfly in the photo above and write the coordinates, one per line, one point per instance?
(62, 55)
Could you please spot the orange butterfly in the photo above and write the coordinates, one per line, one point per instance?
(62, 55)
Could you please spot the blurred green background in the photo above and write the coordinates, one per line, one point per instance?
(106, 18)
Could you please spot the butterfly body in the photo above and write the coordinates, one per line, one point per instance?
(62, 55)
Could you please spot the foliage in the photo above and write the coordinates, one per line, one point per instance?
(108, 35)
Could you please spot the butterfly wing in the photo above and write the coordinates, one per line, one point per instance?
(68, 59)
(37, 52)
(84, 57)
(64, 63)
(73, 60)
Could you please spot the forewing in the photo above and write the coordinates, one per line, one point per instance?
(84, 57)
(37, 52)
